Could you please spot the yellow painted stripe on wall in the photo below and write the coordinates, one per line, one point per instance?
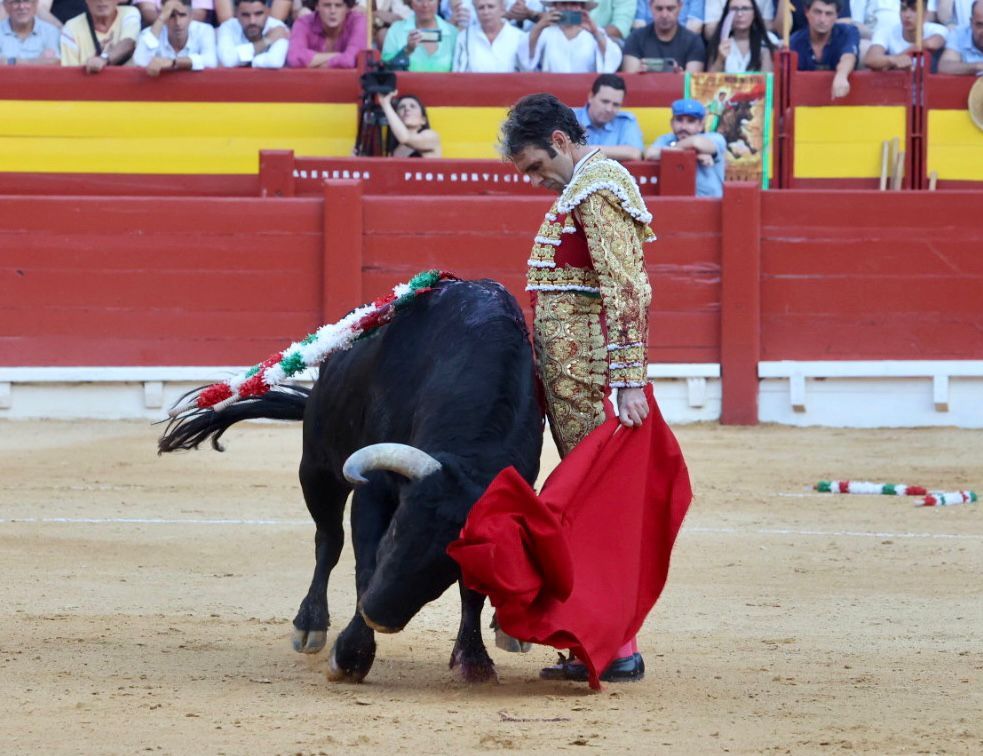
(472, 133)
(844, 142)
(39, 136)
(955, 146)
(159, 137)
(161, 155)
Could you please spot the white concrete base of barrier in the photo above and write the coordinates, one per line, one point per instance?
(837, 394)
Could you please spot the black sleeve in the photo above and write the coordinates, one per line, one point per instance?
(697, 50)
(633, 45)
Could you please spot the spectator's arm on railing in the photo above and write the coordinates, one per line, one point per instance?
(952, 62)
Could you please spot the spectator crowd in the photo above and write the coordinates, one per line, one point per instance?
(494, 36)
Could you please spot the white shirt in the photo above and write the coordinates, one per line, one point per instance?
(536, 6)
(235, 50)
(200, 47)
(875, 13)
(890, 37)
(557, 54)
(473, 52)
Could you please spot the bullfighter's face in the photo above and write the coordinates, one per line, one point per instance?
(550, 172)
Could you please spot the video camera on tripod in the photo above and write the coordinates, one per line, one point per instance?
(370, 140)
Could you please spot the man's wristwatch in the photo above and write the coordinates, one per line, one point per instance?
(104, 55)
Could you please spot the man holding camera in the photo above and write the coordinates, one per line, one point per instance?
(664, 45)
(565, 39)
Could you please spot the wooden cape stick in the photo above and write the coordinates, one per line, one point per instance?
(885, 159)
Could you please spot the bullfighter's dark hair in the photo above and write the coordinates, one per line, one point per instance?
(608, 80)
(531, 122)
(758, 34)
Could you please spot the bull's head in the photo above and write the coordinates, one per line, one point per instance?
(412, 565)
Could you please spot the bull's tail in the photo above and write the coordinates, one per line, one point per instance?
(191, 428)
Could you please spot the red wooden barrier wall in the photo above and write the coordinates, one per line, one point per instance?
(155, 281)
(791, 275)
(868, 276)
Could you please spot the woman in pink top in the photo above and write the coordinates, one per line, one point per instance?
(330, 37)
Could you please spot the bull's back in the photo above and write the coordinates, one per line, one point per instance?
(452, 372)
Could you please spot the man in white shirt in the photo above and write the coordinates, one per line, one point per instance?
(176, 43)
(892, 44)
(565, 39)
(493, 45)
(253, 38)
(105, 35)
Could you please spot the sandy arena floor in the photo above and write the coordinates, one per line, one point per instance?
(133, 622)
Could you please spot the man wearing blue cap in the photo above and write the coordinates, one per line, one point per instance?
(688, 134)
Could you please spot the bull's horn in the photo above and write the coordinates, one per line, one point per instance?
(399, 458)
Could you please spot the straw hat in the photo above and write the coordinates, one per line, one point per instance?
(975, 104)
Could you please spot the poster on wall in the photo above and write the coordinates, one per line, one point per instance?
(739, 107)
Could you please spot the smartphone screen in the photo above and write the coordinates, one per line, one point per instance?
(570, 18)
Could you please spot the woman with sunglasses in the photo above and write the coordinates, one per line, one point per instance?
(740, 42)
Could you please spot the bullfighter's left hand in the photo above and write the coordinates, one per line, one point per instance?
(633, 407)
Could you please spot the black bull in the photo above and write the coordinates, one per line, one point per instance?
(451, 376)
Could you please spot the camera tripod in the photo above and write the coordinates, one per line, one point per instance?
(373, 129)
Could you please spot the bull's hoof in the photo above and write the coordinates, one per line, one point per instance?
(352, 656)
(473, 670)
(506, 642)
(309, 641)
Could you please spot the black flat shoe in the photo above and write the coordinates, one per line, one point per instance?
(626, 669)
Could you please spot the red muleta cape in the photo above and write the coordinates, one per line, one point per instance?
(581, 565)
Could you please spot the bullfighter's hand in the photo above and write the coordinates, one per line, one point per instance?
(633, 407)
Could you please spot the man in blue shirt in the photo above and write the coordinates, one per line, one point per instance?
(26, 39)
(688, 134)
(617, 133)
(825, 45)
(964, 46)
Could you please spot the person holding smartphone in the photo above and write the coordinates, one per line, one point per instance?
(422, 42)
(664, 46)
(740, 43)
(565, 39)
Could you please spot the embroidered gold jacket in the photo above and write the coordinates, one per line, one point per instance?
(603, 200)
